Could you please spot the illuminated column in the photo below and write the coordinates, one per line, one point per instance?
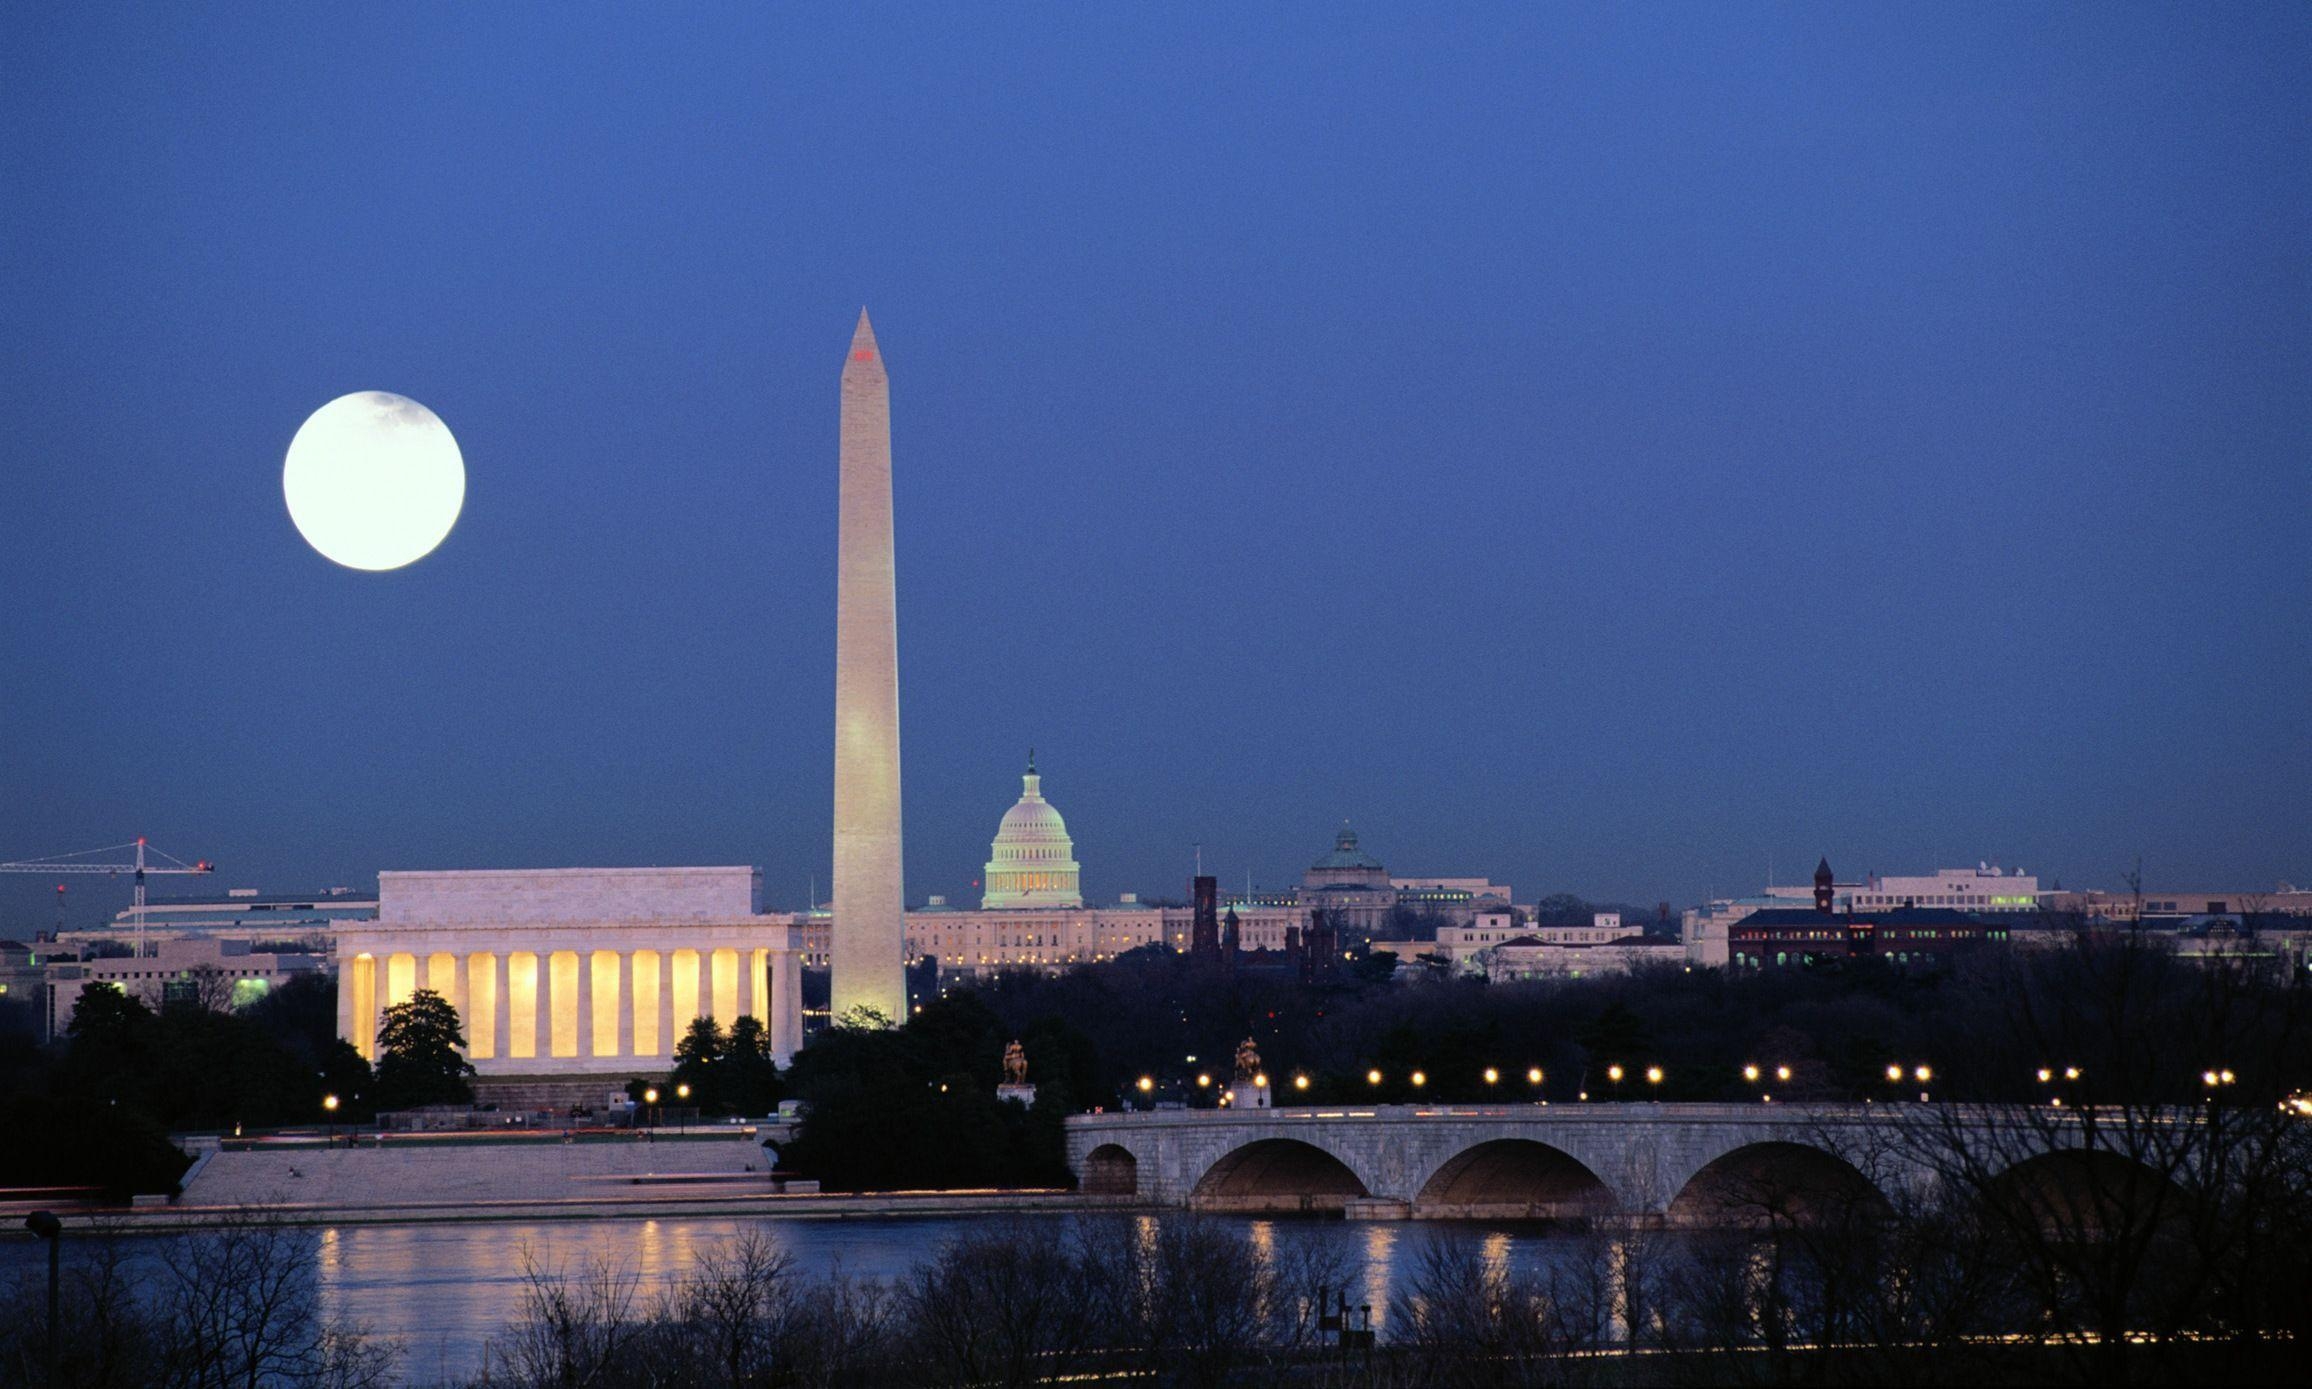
(786, 1006)
(626, 1046)
(542, 1015)
(752, 963)
(501, 1009)
(583, 1004)
(666, 1037)
(706, 983)
(870, 928)
(456, 992)
(729, 975)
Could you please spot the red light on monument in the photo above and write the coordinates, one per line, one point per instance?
(862, 355)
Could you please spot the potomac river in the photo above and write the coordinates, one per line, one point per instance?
(443, 1290)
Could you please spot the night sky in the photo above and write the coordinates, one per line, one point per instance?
(1605, 450)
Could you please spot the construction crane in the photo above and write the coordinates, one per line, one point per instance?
(84, 861)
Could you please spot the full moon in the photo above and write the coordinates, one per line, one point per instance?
(374, 480)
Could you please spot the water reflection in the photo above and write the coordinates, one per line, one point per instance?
(444, 1290)
(1380, 1250)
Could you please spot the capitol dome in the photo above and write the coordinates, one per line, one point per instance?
(1032, 862)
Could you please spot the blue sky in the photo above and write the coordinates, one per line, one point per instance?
(1601, 448)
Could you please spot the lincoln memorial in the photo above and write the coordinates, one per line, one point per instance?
(574, 971)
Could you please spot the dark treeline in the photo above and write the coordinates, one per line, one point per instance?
(95, 1107)
(1837, 1027)
(2110, 1020)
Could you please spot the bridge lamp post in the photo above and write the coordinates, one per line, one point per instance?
(1923, 1075)
(1373, 1077)
(1492, 1076)
(1420, 1078)
(1654, 1077)
(1614, 1074)
(1300, 1082)
(1146, 1085)
(1534, 1077)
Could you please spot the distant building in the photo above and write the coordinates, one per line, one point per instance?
(1350, 887)
(1708, 930)
(214, 973)
(1529, 958)
(243, 914)
(1983, 888)
(2180, 909)
(1834, 929)
(24, 981)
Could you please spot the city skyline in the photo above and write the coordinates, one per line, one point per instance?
(1832, 487)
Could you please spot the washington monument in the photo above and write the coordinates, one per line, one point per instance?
(867, 960)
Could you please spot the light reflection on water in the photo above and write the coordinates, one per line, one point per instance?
(444, 1290)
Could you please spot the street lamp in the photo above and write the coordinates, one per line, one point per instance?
(682, 1115)
(1782, 1073)
(1373, 1077)
(1420, 1078)
(1653, 1075)
(46, 1226)
(329, 1107)
(1750, 1073)
(1300, 1082)
(1492, 1076)
(1145, 1085)
(1533, 1075)
(1614, 1074)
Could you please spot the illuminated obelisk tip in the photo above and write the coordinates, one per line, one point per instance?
(867, 968)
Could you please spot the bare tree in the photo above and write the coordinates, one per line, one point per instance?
(575, 1329)
(1000, 1306)
(237, 1305)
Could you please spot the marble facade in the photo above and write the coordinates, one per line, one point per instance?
(574, 971)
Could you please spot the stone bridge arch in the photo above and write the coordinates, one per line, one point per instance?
(1775, 1181)
(1277, 1174)
(1111, 1169)
(2086, 1195)
(1512, 1178)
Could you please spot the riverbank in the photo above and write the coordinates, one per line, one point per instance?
(183, 1218)
(530, 1177)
